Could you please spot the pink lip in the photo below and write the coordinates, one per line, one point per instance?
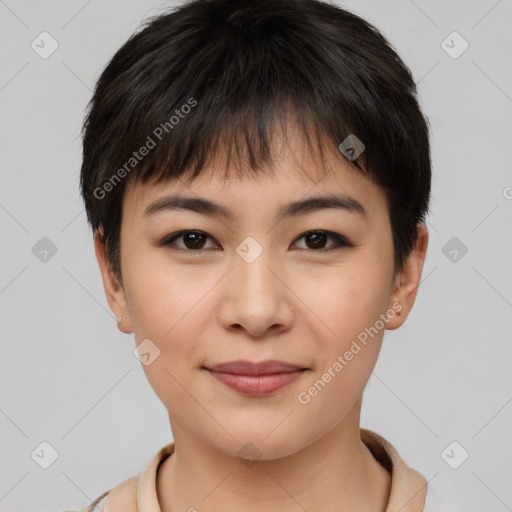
(257, 385)
(256, 378)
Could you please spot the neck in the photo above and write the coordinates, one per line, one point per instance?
(336, 472)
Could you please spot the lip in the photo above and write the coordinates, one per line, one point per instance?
(256, 379)
(245, 367)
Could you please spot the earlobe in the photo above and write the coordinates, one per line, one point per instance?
(408, 280)
(113, 290)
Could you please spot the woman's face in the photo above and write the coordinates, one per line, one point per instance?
(265, 280)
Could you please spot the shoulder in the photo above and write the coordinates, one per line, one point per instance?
(98, 502)
(122, 498)
(433, 501)
(136, 490)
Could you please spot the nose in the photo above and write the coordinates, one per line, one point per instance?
(256, 298)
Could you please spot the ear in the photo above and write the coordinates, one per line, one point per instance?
(114, 291)
(407, 281)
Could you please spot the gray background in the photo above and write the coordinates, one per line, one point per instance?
(70, 378)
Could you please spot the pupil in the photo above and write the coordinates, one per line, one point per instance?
(317, 238)
(193, 239)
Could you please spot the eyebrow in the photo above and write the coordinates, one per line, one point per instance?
(294, 209)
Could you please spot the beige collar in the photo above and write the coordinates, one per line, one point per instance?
(408, 487)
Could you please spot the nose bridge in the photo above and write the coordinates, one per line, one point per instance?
(252, 267)
(256, 298)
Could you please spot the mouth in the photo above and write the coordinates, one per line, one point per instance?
(256, 379)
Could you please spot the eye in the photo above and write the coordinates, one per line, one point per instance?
(316, 239)
(194, 241)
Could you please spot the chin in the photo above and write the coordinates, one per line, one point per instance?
(258, 445)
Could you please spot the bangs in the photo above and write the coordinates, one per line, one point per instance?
(248, 140)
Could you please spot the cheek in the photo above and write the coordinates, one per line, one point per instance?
(345, 300)
(167, 307)
(349, 341)
(161, 295)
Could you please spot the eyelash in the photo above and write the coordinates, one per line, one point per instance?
(341, 241)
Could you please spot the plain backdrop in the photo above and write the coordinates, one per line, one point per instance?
(70, 379)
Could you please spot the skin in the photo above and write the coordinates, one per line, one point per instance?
(294, 303)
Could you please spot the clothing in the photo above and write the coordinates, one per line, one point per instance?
(408, 487)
